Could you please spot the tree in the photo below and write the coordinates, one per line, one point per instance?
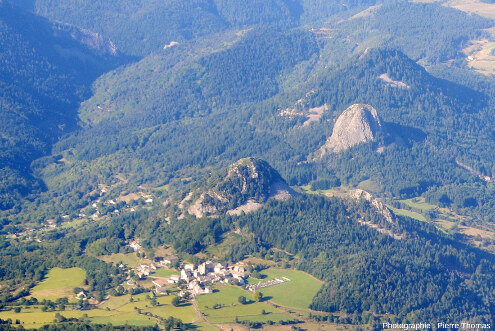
(257, 296)
(153, 301)
(242, 300)
(59, 318)
(176, 301)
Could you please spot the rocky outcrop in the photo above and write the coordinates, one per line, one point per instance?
(86, 37)
(201, 208)
(358, 124)
(391, 228)
(248, 184)
(377, 204)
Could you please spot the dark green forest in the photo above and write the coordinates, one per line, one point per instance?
(39, 94)
(428, 274)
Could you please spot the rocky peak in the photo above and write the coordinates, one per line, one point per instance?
(248, 184)
(358, 124)
(250, 174)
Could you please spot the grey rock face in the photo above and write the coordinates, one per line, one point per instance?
(358, 124)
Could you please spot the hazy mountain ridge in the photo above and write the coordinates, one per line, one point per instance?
(128, 22)
(46, 72)
(403, 110)
(113, 138)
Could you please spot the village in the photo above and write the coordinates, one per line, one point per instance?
(193, 280)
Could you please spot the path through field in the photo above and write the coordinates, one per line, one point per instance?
(200, 316)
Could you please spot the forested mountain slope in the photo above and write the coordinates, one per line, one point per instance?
(424, 276)
(430, 33)
(141, 27)
(229, 76)
(424, 272)
(46, 70)
(433, 125)
(172, 117)
(161, 109)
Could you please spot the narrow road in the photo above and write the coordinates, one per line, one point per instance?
(200, 316)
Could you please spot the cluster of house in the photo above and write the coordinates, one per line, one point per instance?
(144, 270)
(135, 245)
(198, 279)
(208, 273)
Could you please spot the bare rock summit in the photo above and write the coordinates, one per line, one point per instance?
(247, 185)
(358, 124)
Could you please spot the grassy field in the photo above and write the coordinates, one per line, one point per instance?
(164, 308)
(205, 327)
(297, 293)
(116, 310)
(74, 224)
(186, 313)
(307, 189)
(115, 302)
(310, 327)
(370, 186)
(123, 319)
(227, 298)
(165, 272)
(419, 203)
(129, 259)
(34, 317)
(408, 213)
(59, 283)
(122, 310)
(474, 7)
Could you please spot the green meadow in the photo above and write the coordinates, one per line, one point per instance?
(408, 213)
(298, 292)
(129, 259)
(228, 307)
(59, 283)
(419, 203)
(160, 272)
(116, 310)
(222, 306)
